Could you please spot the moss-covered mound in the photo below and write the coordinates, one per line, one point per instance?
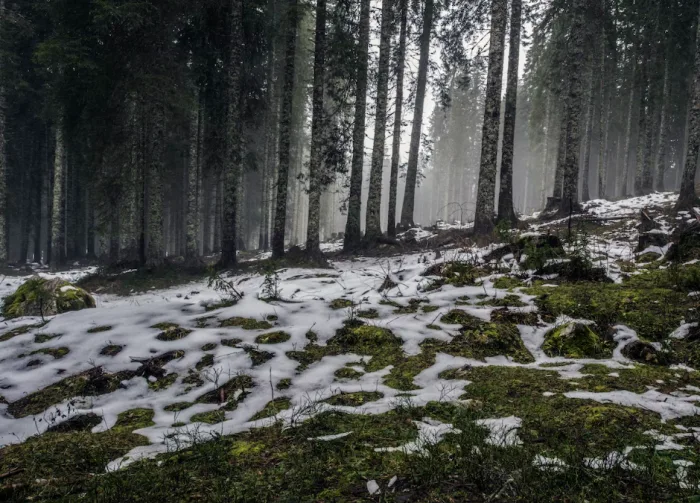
(44, 297)
(575, 340)
(642, 352)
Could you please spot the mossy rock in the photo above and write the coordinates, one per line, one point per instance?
(231, 343)
(273, 338)
(285, 383)
(354, 399)
(245, 323)
(209, 347)
(259, 357)
(642, 352)
(575, 340)
(481, 340)
(81, 422)
(43, 297)
(205, 361)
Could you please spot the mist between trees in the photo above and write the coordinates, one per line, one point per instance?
(136, 132)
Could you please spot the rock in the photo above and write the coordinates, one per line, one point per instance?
(686, 243)
(576, 269)
(575, 340)
(43, 297)
(652, 238)
(641, 352)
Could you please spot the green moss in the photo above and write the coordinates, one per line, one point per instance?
(232, 343)
(645, 258)
(245, 323)
(178, 406)
(430, 309)
(340, 303)
(507, 283)
(172, 333)
(510, 300)
(454, 273)
(96, 330)
(42, 338)
(111, 350)
(369, 314)
(211, 417)
(347, 373)
(90, 383)
(57, 353)
(354, 399)
(10, 334)
(285, 383)
(271, 317)
(209, 347)
(258, 357)
(205, 361)
(220, 305)
(203, 322)
(42, 297)
(135, 419)
(273, 408)
(431, 326)
(227, 391)
(412, 307)
(506, 315)
(273, 338)
(651, 311)
(163, 383)
(575, 340)
(457, 317)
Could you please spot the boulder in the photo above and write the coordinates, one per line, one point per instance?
(46, 297)
(641, 352)
(575, 340)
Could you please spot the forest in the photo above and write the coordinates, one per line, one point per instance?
(134, 132)
(363, 251)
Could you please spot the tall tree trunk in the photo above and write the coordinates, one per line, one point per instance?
(483, 219)
(624, 190)
(353, 229)
(604, 119)
(660, 160)
(313, 238)
(398, 117)
(373, 228)
(549, 125)
(560, 168)
(192, 219)
(644, 119)
(574, 106)
(155, 248)
(588, 141)
(57, 213)
(409, 197)
(232, 170)
(3, 159)
(687, 197)
(505, 196)
(285, 133)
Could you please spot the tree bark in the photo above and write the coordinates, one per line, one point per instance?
(57, 213)
(687, 197)
(232, 171)
(193, 210)
(588, 142)
(3, 161)
(313, 238)
(353, 230)
(483, 219)
(644, 120)
(154, 187)
(373, 229)
(575, 102)
(506, 213)
(660, 160)
(285, 133)
(398, 117)
(412, 169)
(604, 120)
(624, 189)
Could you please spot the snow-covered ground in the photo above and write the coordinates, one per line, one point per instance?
(306, 295)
